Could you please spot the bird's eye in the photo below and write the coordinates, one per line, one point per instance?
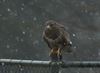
(52, 25)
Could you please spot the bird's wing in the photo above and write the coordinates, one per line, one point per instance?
(66, 35)
(47, 40)
(68, 43)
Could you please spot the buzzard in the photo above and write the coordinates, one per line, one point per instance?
(57, 39)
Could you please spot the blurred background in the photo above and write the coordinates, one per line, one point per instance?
(22, 24)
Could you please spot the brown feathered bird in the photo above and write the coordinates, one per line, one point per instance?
(57, 38)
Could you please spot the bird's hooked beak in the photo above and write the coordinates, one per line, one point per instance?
(48, 26)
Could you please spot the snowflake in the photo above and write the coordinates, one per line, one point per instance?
(21, 40)
(89, 38)
(22, 8)
(23, 21)
(23, 4)
(8, 46)
(24, 32)
(2, 64)
(34, 18)
(16, 50)
(74, 35)
(86, 11)
(15, 14)
(17, 38)
(8, 9)
(74, 47)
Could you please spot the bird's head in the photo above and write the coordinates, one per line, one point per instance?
(50, 24)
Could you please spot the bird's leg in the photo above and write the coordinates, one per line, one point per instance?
(59, 54)
(51, 51)
(54, 54)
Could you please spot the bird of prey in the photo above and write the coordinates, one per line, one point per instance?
(57, 39)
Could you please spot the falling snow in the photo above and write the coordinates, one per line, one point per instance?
(23, 32)
(21, 39)
(3, 64)
(16, 50)
(23, 21)
(74, 35)
(19, 35)
(23, 4)
(75, 47)
(34, 19)
(17, 38)
(8, 46)
(22, 8)
(8, 9)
